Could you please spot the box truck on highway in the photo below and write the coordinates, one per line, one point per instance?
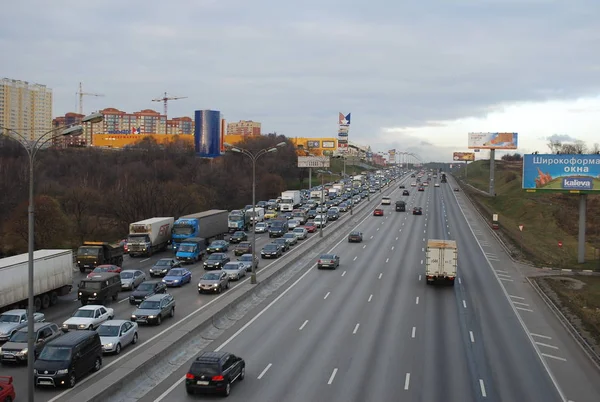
(209, 225)
(94, 253)
(53, 277)
(290, 200)
(441, 260)
(237, 220)
(148, 236)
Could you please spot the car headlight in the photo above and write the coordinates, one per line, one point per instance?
(176, 280)
(109, 345)
(63, 371)
(65, 325)
(133, 316)
(151, 317)
(215, 285)
(22, 352)
(82, 326)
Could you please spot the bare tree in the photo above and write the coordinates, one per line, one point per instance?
(595, 148)
(580, 147)
(554, 146)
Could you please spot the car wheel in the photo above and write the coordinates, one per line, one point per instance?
(158, 319)
(72, 380)
(172, 313)
(97, 364)
(91, 328)
(118, 349)
(219, 290)
(227, 389)
(135, 339)
(242, 373)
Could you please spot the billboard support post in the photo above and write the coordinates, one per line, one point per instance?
(466, 170)
(309, 178)
(581, 240)
(492, 173)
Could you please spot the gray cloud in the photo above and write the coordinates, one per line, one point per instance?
(389, 63)
(561, 138)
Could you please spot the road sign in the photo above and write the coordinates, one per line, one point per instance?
(521, 227)
(559, 243)
(495, 217)
(313, 161)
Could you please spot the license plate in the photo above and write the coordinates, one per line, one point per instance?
(325, 265)
(202, 382)
(141, 320)
(46, 382)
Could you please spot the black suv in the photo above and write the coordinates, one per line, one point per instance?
(145, 290)
(405, 192)
(154, 309)
(214, 372)
(216, 261)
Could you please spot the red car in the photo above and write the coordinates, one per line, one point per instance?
(105, 268)
(310, 227)
(7, 390)
(378, 212)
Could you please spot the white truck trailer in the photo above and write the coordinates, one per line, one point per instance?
(53, 277)
(149, 236)
(290, 200)
(441, 261)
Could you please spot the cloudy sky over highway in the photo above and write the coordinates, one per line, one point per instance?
(416, 76)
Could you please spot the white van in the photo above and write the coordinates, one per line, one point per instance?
(260, 214)
(386, 201)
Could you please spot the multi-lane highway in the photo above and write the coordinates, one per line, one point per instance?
(373, 331)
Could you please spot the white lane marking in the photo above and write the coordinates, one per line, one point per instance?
(500, 270)
(332, 376)
(123, 300)
(356, 328)
(546, 345)
(505, 279)
(421, 262)
(303, 325)
(371, 237)
(147, 259)
(387, 260)
(406, 381)
(392, 247)
(396, 237)
(75, 299)
(262, 373)
(517, 297)
(553, 357)
(482, 387)
(327, 295)
(417, 300)
(419, 277)
(423, 249)
(524, 309)
(343, 273)
(423, 239)
(377, 228)
(365, 246)
(370, 298)
(380, 275)
(460, 281)
(425, 231)
(464, 304)
(401, 229)
(504, 275)
(414, 330)
(521, 304)
(540, 336)
(471, 336)
(355, 258)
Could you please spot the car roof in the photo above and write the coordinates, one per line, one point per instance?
(15, 311)
(130, 270)
(210, 357)
(157, 297)
(100, 276)
(90, 307)
(37, 326)
(114, 322)
(71, 338)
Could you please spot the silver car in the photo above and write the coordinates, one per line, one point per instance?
(261, 227)
(300, 233)
(293, 223)
(213, 282)
(246, 261)
(131, 278)
(290, 238)
(235, 270)
(116, 334)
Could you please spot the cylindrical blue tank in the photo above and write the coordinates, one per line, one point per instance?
(207, 133)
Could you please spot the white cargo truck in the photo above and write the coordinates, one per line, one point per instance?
(441, 261)
(260, 214)
(53, 277)
(290, 200)
(150, 235)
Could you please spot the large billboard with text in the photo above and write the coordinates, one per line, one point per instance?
(313, 161)
(493, 140)
(571, 173)
(464, 156)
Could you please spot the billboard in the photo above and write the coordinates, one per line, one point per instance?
(313, 161)
(571, 173)
(493, 140)
(343, 128)
(313, 144)
(464, 156)
(328, 144)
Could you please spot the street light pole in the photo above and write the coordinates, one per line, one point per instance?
(322, 202)
(32, 150)
(253, 157)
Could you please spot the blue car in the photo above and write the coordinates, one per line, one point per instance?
(177, 277)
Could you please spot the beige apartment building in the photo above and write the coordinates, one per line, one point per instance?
(244, 127)
(25, 108)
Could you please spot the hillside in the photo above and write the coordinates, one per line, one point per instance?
(547, 217)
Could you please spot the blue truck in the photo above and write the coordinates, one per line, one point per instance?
(238, 220)
(208, 225)
(191, 250)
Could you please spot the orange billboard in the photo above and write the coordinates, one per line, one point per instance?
(464, 156)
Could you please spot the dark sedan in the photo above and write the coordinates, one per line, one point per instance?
(355, 237)
(417, 211)
(216, 261)
(271, 250)
(283, 243)
(238, 236)
(405, 192)
(218, 246)
(244, 247)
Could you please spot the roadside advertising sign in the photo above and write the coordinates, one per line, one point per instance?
(313, 161)
(464, 156)
(576, 173)
(493, 140)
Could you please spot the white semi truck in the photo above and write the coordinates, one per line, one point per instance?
(441, 261)
(290, 200)
(150, 235)
(53, 277)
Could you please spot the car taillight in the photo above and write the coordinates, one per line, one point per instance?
(218, 378)
(319, 261)
(189, 376)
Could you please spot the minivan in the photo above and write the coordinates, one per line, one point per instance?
(99, 288)
(278, 228)
(67, 358)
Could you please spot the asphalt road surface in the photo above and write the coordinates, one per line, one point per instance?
(373, 331)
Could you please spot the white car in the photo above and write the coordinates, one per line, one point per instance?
(88, 317)
(235, 270)
(386, 201)
(436, 185)
(413, 184)
(261, 227)
(116, 334)
(300, 233)
(293, 223)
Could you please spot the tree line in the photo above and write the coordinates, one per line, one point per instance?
(93, 194)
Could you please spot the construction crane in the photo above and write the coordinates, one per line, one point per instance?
(82, 94)
(165, 99)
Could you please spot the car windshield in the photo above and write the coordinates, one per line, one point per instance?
(211, 276)
(299, 230)
(145, 287)
(91, 285)
(126, 275)
(215, 257)
(100, 269)
(244, 244)
(108, 330)
(217, 243)
(19, 337)
(261, 225)
(84, 313)
(149, 305)
(187, 248)
(238, 234)
(10, 318)
(162, 263)
(231, 266)
(176, 272)
(55, 353)
(289, 236)
(246, 258)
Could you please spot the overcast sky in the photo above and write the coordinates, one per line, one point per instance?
(416, 75)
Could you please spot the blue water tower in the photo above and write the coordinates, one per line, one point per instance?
(207, 133)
